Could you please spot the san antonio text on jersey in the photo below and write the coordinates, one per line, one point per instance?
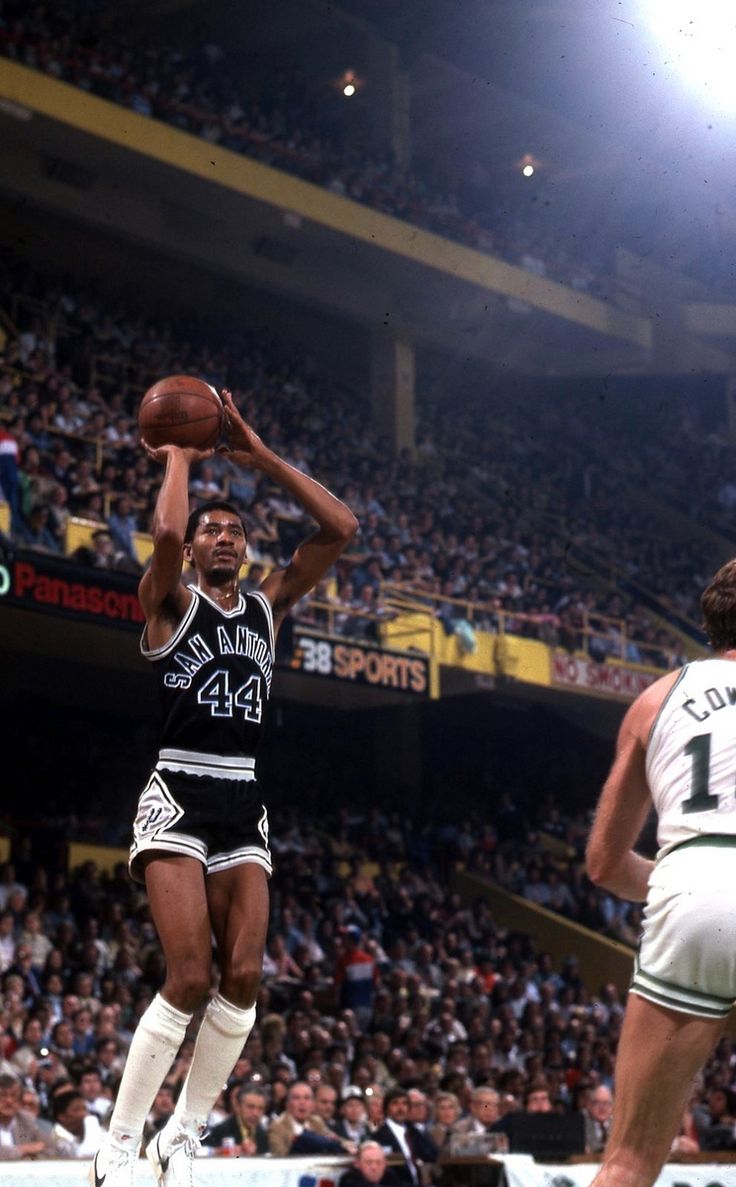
(215, 677)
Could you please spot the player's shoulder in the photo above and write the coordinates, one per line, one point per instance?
(647, 707)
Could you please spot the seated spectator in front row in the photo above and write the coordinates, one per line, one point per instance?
(104, 554)
(21, 1135)
(485, 1111)
(246, 1126)
(398, 1136)
(76, 1131)
(446, 1117)
(299, 1130)
(353, 1123)
(598, 1112)
(370, 1168)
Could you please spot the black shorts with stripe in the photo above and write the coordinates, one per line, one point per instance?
(221, 822)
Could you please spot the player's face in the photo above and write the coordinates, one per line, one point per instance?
(218, 546)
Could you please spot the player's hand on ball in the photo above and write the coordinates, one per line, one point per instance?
(244, 444)
(162, 452)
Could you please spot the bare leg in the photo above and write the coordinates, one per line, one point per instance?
(659, 1053)
(179, 906)
(178, 900)
(239, 904)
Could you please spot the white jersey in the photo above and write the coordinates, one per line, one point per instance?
(691, 754)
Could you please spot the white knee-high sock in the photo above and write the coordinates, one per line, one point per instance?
(159, 1035)
(221, 1039)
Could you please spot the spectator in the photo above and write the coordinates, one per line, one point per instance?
(90, 1087)
(9, 480)
(77, 1132)
(103, 554)
(161, 1111)
(370, 1167)
(353, 1120)
(123, 525)
(246, 1126)
(21, 1135)
(36, 533)
(484, 1111)
(355, 976)
(299, 1121)
(325, 1105)
(446, 1117)
(397, 1136)
(598, 1111)
(537, 1099)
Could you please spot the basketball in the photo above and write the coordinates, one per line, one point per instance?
(181, 410)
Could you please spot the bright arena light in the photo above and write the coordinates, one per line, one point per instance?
(348, 89)
(528, 171)
(699, 40)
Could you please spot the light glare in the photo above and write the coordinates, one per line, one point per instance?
(699, 41)
(348, 89)
(528, 171)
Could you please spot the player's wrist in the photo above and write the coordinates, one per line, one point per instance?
(266, 460)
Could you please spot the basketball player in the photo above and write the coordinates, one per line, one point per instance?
(201, 832)
(676, 750)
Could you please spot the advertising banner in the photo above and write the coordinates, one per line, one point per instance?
(522, 1171)
(360, 663)
(619, 681)
(37, 582)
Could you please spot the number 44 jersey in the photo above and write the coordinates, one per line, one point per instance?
(691, 754)
(215, 677)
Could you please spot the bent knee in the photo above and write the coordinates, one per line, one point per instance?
(240, 985)
(188, 985)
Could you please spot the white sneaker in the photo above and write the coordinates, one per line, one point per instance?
(113, 1165)
(172, 1158)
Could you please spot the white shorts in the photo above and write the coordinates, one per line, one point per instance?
(687, 954)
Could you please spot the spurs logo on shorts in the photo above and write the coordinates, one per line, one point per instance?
(263, 827)
(157, 809)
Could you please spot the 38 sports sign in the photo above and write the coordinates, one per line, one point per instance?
(361, 664)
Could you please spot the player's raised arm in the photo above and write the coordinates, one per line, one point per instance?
(337, 524)
(160, 589)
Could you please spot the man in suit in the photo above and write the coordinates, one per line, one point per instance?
(245, 1126)
(484, 1111)
(598, 1112)
(398, 1136)
(21, 1135)
(370, 1169)
(299, 1130)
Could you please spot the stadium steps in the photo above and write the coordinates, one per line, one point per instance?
(601, 959)
(587, 565)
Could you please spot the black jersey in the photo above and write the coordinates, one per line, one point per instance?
(215, 679)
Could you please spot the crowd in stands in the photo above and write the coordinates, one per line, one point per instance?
(459, 1021)
(288, 122)
(284, 125)
(493, 530)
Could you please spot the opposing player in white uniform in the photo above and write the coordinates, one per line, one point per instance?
(201, 833)
(677, 752)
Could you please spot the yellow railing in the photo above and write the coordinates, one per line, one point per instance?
(597, 635)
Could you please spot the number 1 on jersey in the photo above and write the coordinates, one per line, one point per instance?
(700, 800)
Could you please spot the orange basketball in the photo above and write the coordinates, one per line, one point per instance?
(181, 410)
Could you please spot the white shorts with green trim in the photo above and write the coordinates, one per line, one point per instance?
(687, 955)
